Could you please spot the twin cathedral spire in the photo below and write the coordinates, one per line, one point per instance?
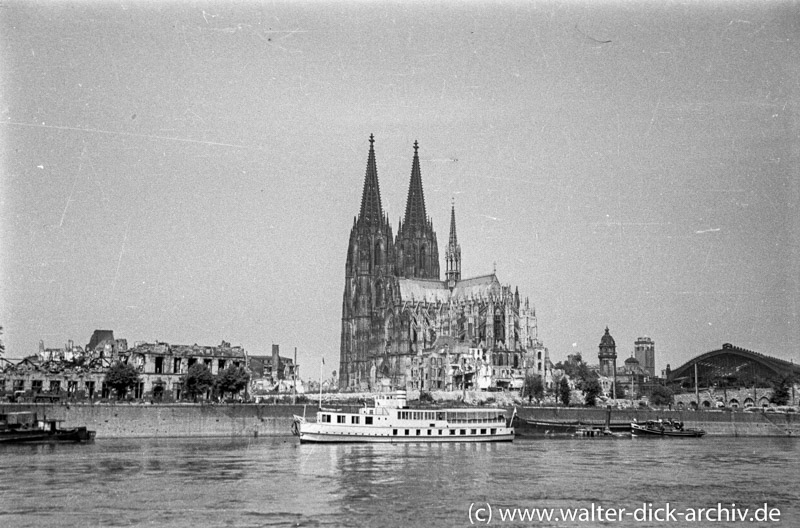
(414, 253)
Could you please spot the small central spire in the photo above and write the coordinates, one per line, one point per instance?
(453, 239)
(453, 253)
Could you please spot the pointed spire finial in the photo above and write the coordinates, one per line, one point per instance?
(416, 216)
(453, 238)
(371, 210)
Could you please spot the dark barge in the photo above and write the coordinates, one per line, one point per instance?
(535, 427)
(26, 428)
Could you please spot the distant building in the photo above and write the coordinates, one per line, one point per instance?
(633, 378)
(72, 372)
(644, 350)
(163, 366)
(274, 373)
(607, 354)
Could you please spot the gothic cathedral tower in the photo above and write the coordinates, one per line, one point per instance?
(369, 268)
(417, 253)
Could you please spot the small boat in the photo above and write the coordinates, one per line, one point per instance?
(24, 427)
(664, 428)
(390, 420)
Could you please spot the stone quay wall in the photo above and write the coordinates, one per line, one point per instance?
(250, 420)
(171, 420)
(715, 423)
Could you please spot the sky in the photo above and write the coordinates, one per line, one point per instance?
(189, 172)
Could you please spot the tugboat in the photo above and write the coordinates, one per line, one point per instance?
(664, 428)
(24, 427)
(391, 421)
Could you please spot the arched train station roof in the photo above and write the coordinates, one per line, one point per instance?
(733, 362)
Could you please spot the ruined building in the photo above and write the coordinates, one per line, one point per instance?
(403, 326)
(75, 373)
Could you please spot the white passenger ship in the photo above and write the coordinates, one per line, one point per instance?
(391, 421)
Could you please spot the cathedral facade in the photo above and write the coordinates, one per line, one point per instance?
(405, 327)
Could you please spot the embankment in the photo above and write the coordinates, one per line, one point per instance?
(171, 420)
(715, 423)
(242, 420)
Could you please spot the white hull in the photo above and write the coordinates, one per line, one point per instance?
(503, 435)
(322, 438)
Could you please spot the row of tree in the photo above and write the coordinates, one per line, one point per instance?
(122, 377)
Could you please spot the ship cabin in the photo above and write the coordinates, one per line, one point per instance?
(390, 416)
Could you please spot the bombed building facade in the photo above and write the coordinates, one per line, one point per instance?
(75, 373)
(405, 327)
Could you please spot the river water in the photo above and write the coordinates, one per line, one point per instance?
(277, 482)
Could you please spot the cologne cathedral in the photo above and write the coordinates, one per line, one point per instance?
(405, 327)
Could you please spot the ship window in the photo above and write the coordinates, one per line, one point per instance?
(406, 432)
(452, 432)
(463, 431)
(354, 420)
(326, 417)
(440, 416)
(473, 431)
(483, 431)
(429, 432)
(368, 420)
(341, 419)
(394, 432)
(417, 432)
(440, 432)
(494, 431)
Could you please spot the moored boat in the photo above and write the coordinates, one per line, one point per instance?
(24, 427)
(390, 420)
(535, 427)
(526, 427)
(664, 428)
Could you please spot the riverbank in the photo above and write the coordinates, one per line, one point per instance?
(715, 423)
(124, 420)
